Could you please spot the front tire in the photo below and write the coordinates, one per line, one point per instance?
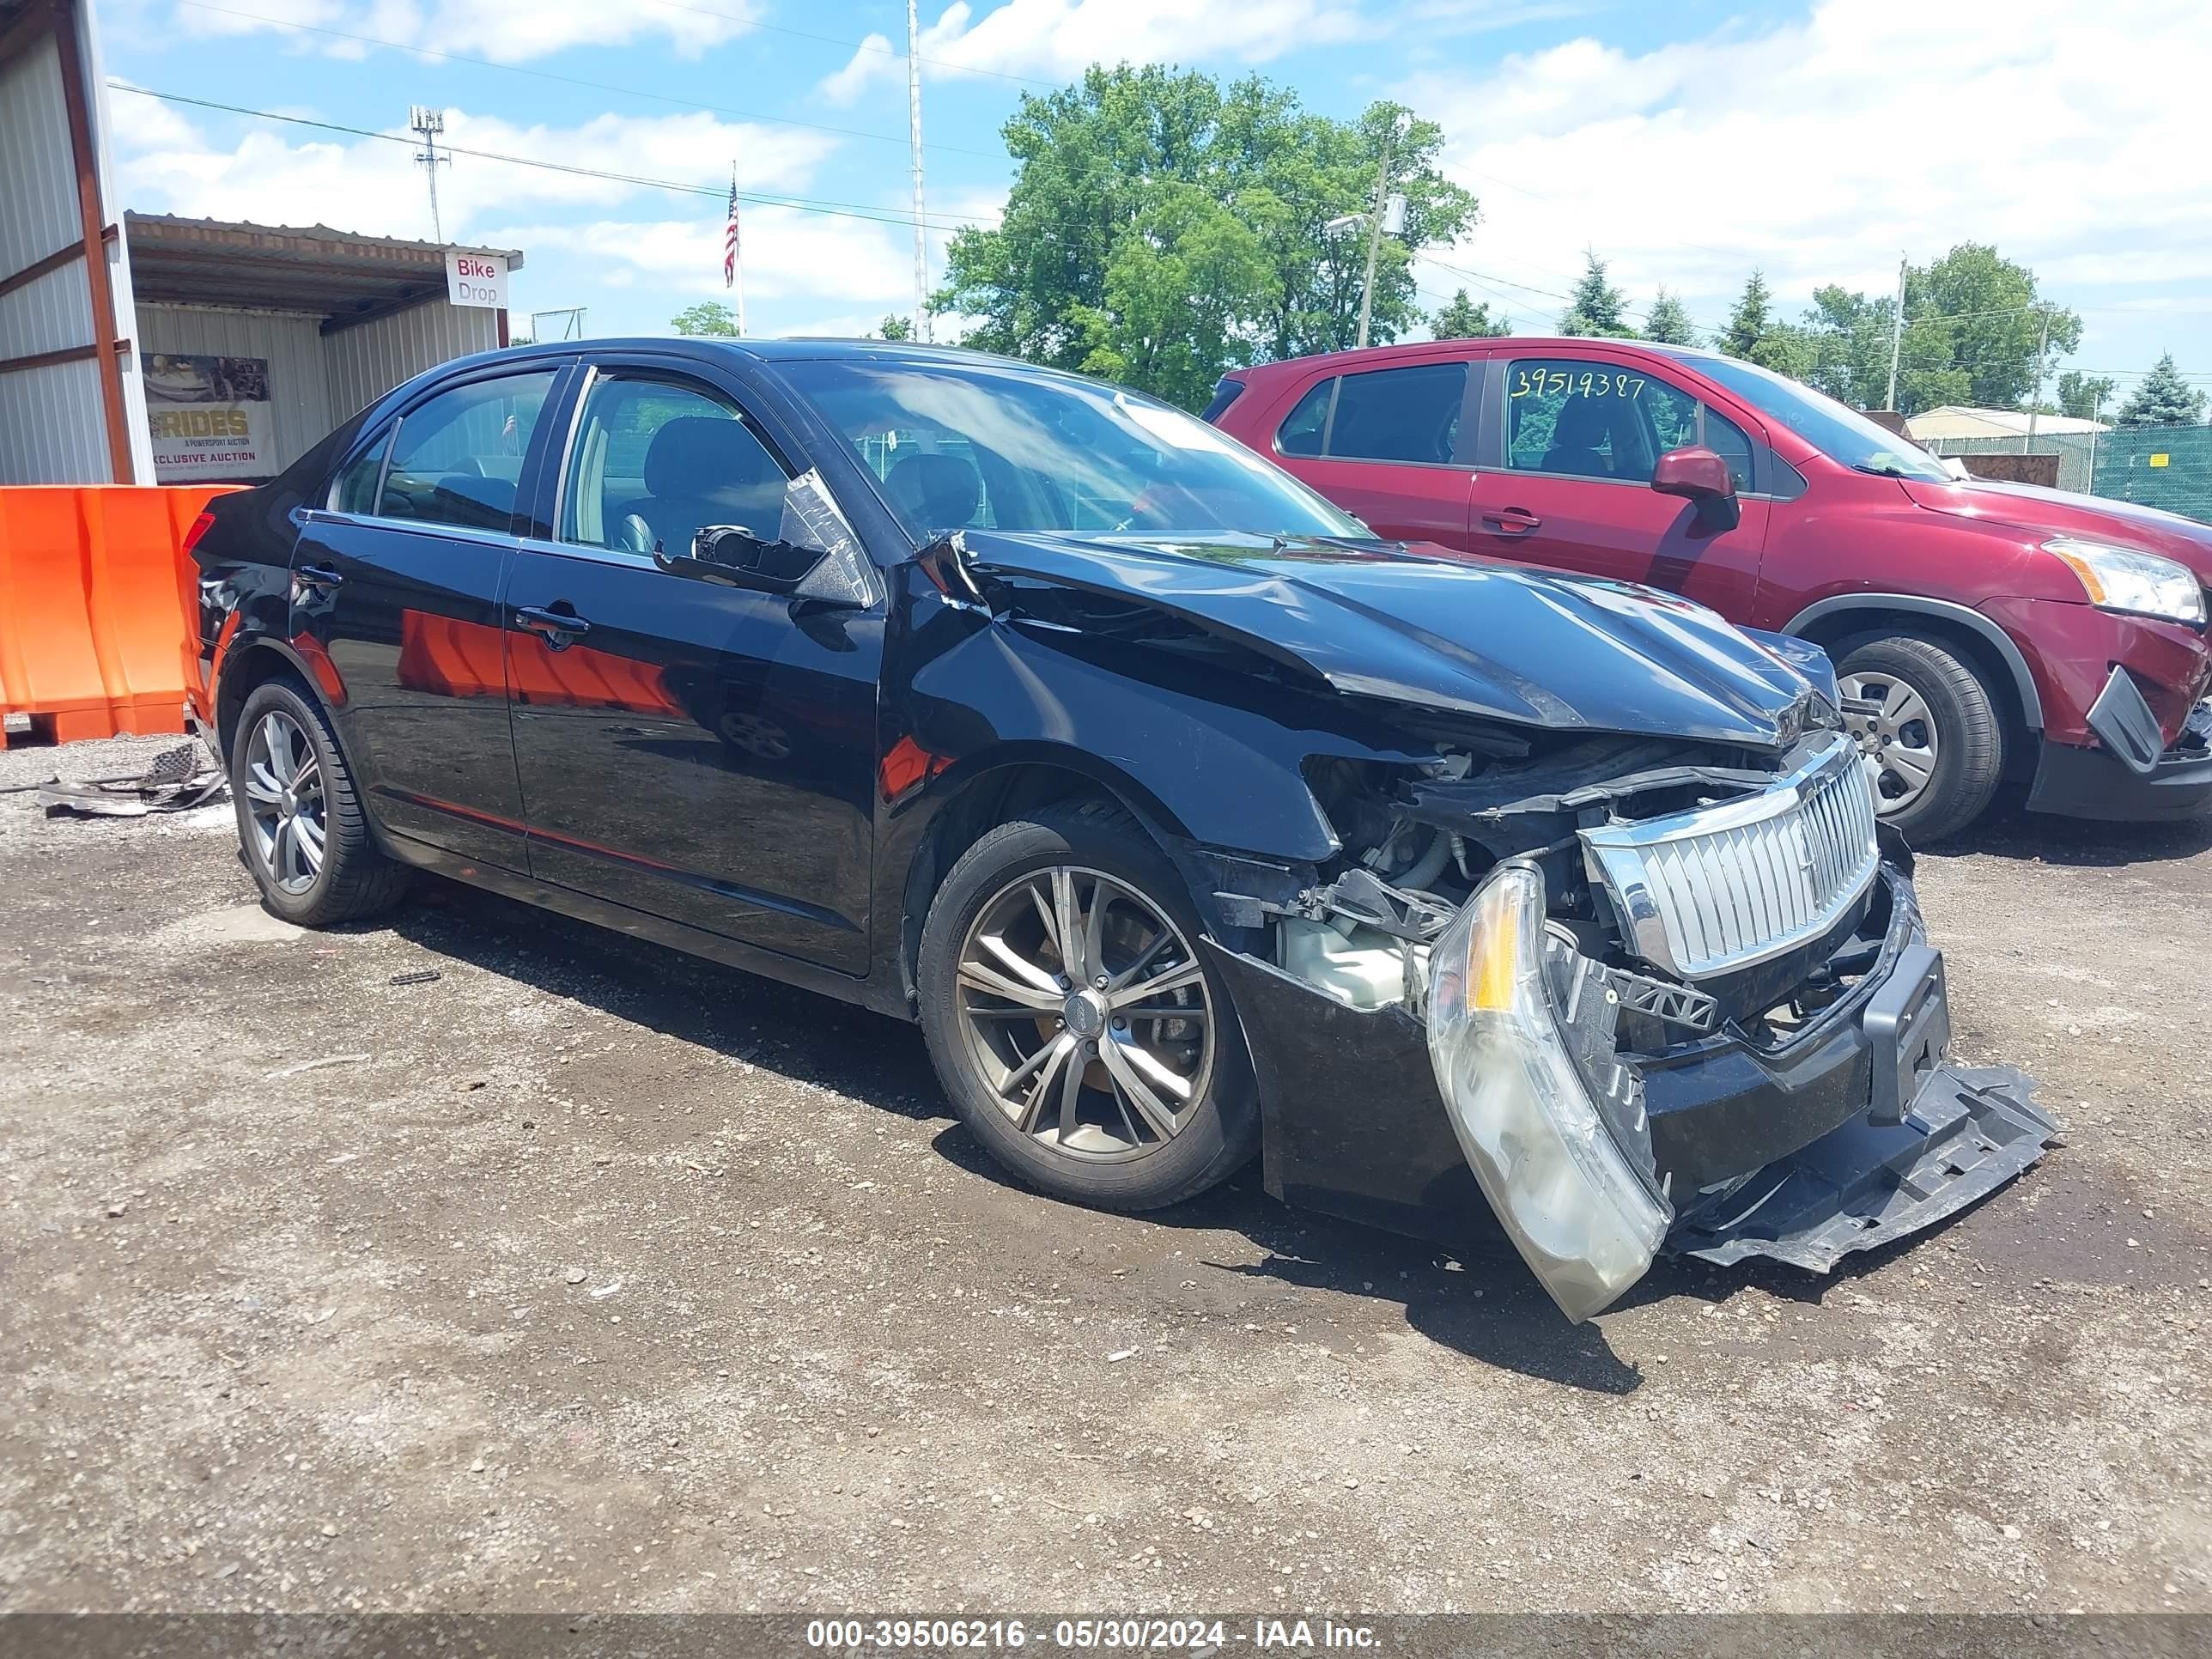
(1930, 738)
(300, 826)
(1081, 1035)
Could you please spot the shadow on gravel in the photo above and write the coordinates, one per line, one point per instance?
(798, 1034)
(2031, 837)
(1477, 1300)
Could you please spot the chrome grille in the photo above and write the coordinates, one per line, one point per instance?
(1705, 892)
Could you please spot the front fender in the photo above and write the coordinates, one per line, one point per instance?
(1215, 771)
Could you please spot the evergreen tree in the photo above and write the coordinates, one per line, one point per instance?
(1597, 306)
(1751, 319)
(1464, 320)
(2162, 397)
(1668, 323)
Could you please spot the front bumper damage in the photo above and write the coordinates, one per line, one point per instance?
(1853, 1131)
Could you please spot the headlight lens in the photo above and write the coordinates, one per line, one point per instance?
(2121, 579)
(1582, 1217)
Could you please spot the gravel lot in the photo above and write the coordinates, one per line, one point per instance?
(588, 1276)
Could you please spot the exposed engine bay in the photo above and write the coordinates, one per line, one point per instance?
(1418, 841)
(1674, 998)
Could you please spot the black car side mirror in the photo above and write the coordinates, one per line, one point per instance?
(730, 556)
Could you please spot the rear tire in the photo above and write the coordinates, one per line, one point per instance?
(1077, 1089)
(1936, 747)
(300, 827)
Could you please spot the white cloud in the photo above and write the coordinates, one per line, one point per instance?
(368, 185)
(1059, 39)
(850, 264)
(2071, 136)
(506, 31)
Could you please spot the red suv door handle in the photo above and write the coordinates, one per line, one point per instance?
(1511, 521)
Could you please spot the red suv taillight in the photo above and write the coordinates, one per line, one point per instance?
(201, 525)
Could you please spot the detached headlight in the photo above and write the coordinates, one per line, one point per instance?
(2121, 579)
(1582, 1216)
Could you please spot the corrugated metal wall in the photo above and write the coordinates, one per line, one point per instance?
(293, 344)
(367, 362)
(52, 426)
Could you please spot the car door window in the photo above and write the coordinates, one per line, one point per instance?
(654, 462)
(456, 459)
(1587, 418)
(1305, 428)
(1730, 442)
(1409, 415)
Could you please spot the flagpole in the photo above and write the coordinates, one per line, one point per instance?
(737, 253)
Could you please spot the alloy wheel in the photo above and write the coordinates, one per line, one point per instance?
(285, 802)
(1087, 1014)
(1895, 732)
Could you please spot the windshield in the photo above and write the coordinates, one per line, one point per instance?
(988, 447)
(1840, 434)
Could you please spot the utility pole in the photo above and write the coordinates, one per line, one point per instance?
(2035, 403)
(914, 116)
(1896, 334)
(428, 123)
(1373, 228)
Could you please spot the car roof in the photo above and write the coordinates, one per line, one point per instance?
(1416, 351)
(705, 347)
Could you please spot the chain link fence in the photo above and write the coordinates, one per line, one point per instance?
(2168, 467)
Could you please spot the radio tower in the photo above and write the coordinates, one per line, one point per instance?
(913, 115)
(428, 123)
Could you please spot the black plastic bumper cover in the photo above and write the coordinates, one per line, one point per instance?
(2116, 782)
(1967, 1132)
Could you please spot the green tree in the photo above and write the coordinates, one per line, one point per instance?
(708, 317)
(1464, 320)
(1177, 295)
(1594, 306)
(2082, 397)
(1136, 179)
(1668, 323)
(895, 327)
(1973, 328)
(2162, 397)
(1750, 319)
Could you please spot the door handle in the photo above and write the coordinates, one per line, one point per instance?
(1511, 521)
(558, 628)
(317, 575)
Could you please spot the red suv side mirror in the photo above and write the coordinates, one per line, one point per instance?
(1694, 473)
(1697, 475)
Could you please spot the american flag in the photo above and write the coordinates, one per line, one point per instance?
(730, 236)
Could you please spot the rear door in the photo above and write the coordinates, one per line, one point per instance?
(395, 583)
(1388, 445)
(701, 753)
(1564, 476)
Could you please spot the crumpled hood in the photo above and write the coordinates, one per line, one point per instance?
(1429, 627)
(2049, 512)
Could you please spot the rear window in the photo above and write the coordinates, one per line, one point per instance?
(1226, 391)
(1409, 415)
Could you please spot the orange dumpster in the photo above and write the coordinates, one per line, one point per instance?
(98, 607)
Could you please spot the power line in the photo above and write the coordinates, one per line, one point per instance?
(576, 80)
(800, 204)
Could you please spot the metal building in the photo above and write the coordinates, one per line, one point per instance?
(314, 321)
(145, 348)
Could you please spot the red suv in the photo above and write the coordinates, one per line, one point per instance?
(1981, 631)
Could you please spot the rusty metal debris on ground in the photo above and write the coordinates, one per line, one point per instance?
(178, 780)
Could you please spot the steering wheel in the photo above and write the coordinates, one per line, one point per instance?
(634, 535)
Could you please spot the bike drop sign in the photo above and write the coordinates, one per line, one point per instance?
(476, 278)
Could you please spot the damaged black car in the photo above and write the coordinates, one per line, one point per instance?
(1192, 823)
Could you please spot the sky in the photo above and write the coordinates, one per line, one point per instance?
(1684, 143)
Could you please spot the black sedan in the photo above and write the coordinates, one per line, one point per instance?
(1191, 821)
